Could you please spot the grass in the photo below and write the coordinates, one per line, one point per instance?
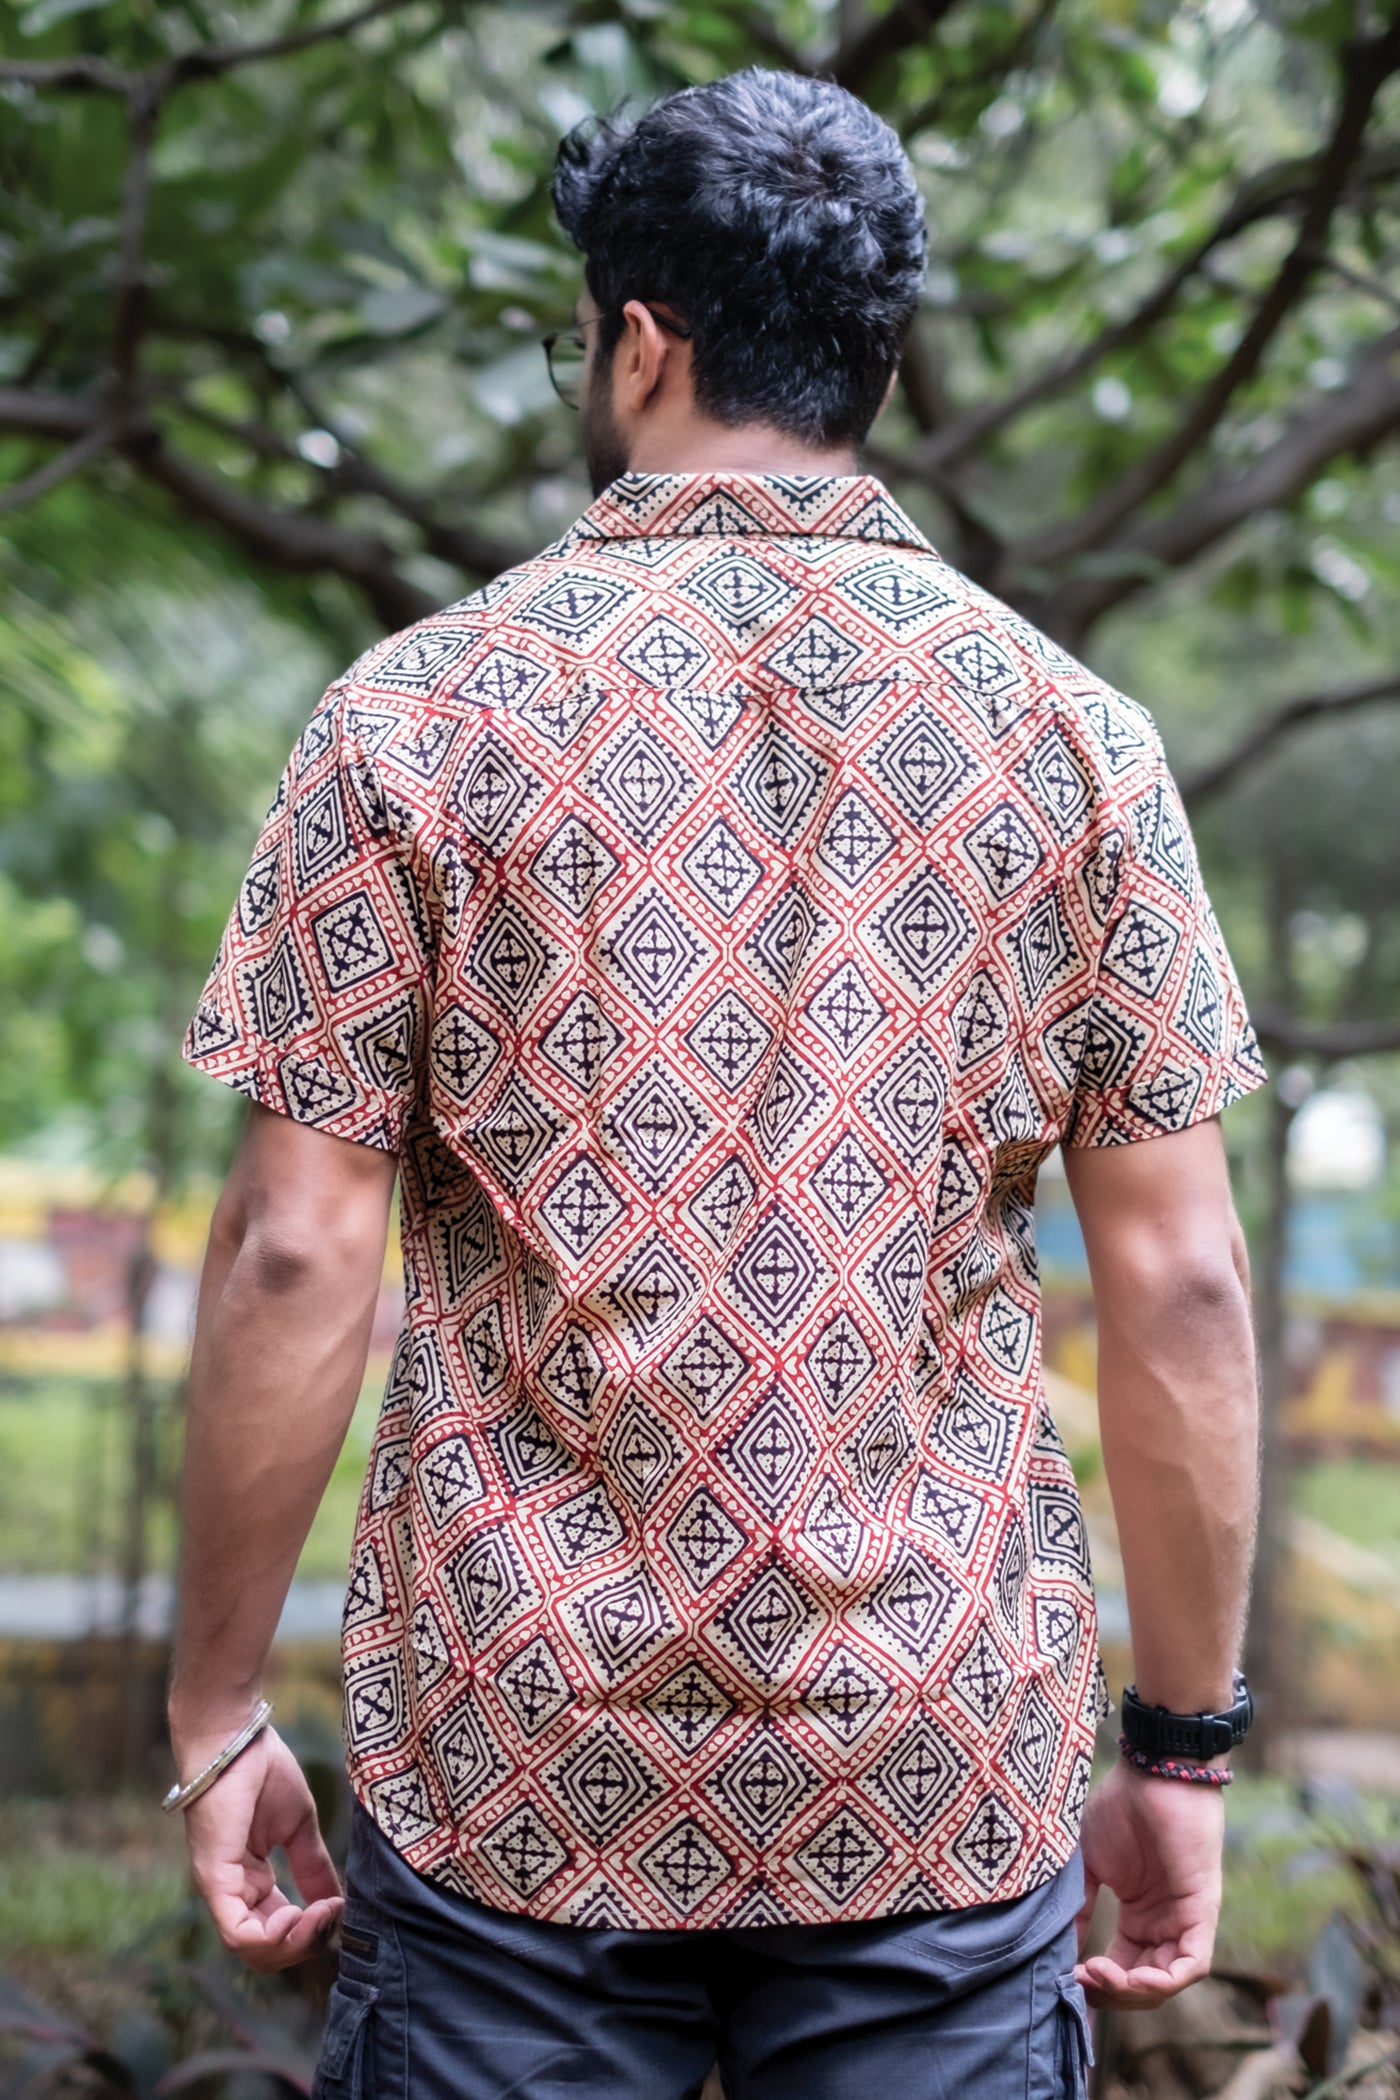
(84, 1878)
(62, 1470)
(1283, 1878)
(1356, 1497)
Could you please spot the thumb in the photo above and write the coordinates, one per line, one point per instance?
(1084, 1916)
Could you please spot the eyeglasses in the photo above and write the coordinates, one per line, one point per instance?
(566, 352)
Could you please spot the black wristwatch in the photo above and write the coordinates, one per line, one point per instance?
(1159, 1734)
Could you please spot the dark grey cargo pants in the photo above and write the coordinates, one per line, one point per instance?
(440, 1998)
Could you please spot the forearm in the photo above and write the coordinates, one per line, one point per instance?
(277, 1366)
(1178, 1419)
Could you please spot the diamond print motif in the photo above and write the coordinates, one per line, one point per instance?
(654, 1290)
(467, 1758)
(641, 782)
(1004, 851)
(915, 1606)
(771, 1453)
(898, 600)
(524, 1850)
(974, 1431)
(982, 1679)
(767, 1619)
(703, 1539)
(655, 952)
(488, 1580)
(848, 1185)
(690, 1706)
(953, 1515)
(848, 1697)
(719, 1205)
(844, 1011)
(720, 866)
(791, 1102)
(664, 654)
(602, 1784)
(573, 866)
(1057, 783)
(786, 938)
(906, 1102)
(684, 1865)
(854, 842)
(573, 1372)
(582, 1528)
(919, 1776)
(923, 931)
(704, 1369)
(780, 783)
(581, 1042)
(832, 1531)
(843, 1855)
(640, 1453)
(623, 1621)
(656, 1126)
(775, 1276)
(988, 1843)
(511, 959)
(448, 1480)
(464, 1052)
(516, 1132)
(878, 1452)
(534, 1687)
(819, 655)
(491, 793)
(581, 1208)
(764, 1783)
(730, 1041)
(840, 1364)
(738, 590)
(922, 765)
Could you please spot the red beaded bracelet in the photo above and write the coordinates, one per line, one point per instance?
(1171, 1768)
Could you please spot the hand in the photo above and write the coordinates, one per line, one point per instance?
(262, 1800)
(1157, 1843)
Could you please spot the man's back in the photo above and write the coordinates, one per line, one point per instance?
(725, 914)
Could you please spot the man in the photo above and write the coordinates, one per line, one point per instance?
(714, 924)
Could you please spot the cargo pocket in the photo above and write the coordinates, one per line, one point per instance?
(1076, 2044)
(340, 2073)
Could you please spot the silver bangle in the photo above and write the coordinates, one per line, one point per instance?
(181, 1797)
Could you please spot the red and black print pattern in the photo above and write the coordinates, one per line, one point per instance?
(722, 917)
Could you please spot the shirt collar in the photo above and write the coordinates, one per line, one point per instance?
(663, 506)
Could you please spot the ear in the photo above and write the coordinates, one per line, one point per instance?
(888, 395)
(643, 357)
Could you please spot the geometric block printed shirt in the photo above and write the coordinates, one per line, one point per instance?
(721, 917)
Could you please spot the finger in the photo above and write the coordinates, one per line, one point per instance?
(313, 1869)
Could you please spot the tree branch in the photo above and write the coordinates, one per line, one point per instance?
(1280, 722)
(1323, 1039)
(1366, 66)
(906, 22)
(62, 467)
(1351, 420)
(84, 74)
(1272, 191)
(286, 540)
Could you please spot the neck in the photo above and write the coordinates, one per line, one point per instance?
(700, 446)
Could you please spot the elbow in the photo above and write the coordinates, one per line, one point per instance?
(277, 1262)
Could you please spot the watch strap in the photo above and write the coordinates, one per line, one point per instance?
(1157, 1733)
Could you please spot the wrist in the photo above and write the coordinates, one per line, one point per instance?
(201, 1720)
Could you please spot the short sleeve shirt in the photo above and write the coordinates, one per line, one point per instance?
(721, 917)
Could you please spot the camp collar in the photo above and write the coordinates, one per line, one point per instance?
(664, 506)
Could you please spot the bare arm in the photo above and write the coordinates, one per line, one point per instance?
(286, 1304)
(1177, 1401)
(1178, 1418)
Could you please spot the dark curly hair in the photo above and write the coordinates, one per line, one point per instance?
(778, 216)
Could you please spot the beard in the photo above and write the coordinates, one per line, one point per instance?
(603, 448)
